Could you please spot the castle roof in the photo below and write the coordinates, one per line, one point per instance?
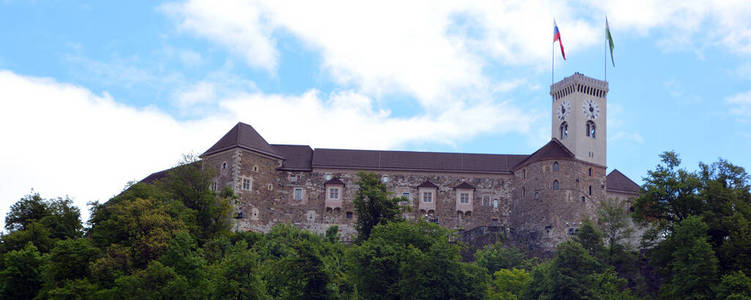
(296, 157)
(464, 186)
(243, 136)
(334, 181)
(619, 183)
(552, 150)
(427, 184)
(415, 161)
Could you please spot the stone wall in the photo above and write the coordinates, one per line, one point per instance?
(544, 216)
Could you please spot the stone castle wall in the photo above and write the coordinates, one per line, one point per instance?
(506, 201)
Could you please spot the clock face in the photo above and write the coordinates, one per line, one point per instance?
(590, 109)
(563, 108)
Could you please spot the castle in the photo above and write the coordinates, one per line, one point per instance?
(540, 198)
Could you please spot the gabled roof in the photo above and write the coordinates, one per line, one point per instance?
(619, 183)
(243, 136)
(333, 181)
(427, 184)
(415, 161)
(552, 150)
(464, 186)
(296, 157)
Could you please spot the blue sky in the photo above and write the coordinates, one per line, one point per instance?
(96, 94)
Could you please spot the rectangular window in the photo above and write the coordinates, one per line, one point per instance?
(215, 186)
(464, 197)
(495, 203)
(486, 200)
(427, 197)
(246, 184)
(333, 193)
(405, 195)
(349, 215)
(293, 178)
(297, 195)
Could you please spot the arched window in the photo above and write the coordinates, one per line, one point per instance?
(590, 190)
(564, 130)
(555, 166)
(591, 130)
(555, 184)
(537, 196)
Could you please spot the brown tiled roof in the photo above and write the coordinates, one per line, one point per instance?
(552, 150)
(296, 157)
(427, 184)
(619, 183)
(243, 136)
(153, 177)
(464, 185)
(415, 161)
(333, 181)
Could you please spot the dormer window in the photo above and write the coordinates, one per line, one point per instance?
(334, 193)
(427, 197)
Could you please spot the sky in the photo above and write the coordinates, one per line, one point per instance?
(96, 94)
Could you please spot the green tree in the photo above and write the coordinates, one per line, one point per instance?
(570, 272)
(237, 275)
(31, 208)
(34, 233)
(406, 260)
(693, 265)
(373, 205)
(60, 216)
(497, 256)
(69, 260)
(21, 275)
(614, 222)
(734, 286)
(590, 237)
(508, 284)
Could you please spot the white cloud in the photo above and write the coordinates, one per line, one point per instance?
(63, 139)
(740, 105)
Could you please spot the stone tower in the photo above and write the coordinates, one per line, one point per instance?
(579, 117)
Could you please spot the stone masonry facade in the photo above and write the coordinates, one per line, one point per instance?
(539, 199)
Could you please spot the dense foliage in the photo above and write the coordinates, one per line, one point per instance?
(172, 240)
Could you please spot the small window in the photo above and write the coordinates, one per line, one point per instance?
(591, 130)
(583, 199)
(555, 184)
(537, 196)
(427, 197)
(255, 168)
(349, 215)
(590, 171)
(524, 191)
(590, 190)
(405, 195)
(555, 167)
(224, 165)
(385, 179)
(564, 130)
(215, 186)
(495, 203)
(464, 197)
(333, 193)
(524, 173)
(247, 184)
(486, 200)
(297, 194)
(494, 222)
(292, 178)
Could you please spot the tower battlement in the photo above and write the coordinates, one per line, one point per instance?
(579, 83)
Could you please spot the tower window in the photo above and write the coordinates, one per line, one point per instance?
(555, 184)
(591, 129)
(590, 171)
(564, 130)
(555, 167)
(590, 190)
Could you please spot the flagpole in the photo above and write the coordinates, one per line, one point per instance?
(552, 59)
(605, 57)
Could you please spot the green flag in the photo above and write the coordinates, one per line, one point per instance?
(610, 40)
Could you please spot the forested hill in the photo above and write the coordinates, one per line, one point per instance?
(173, 240)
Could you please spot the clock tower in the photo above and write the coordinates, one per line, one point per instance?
(579, 117)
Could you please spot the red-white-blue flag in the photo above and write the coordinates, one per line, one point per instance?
(557, 37)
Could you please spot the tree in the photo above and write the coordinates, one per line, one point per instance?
(615, 223)
(59, 216)
(693, 265)
(373, 205)
(237, 275)
(670, 194)
(68, 261)
(414, 260)
(590, 238)
(508, 284)
(735, 286)
(21, 275)
(570, 272)
(498, 256)
(29, 209)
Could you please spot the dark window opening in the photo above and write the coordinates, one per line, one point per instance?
(349, 215)
(590, 190)
(555, 167)
(555, 184)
